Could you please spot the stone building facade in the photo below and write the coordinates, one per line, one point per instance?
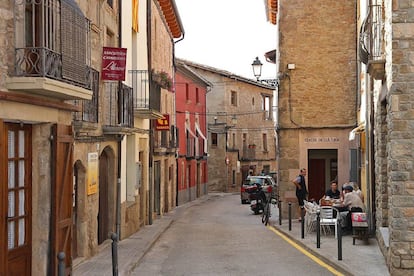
(388, 29)
(241, 137)
(75, 154)
(317, 102)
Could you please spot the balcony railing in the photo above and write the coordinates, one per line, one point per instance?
(89, 108)
(140, 87)
(144, 100)
(371, 35)
(117, 109)
(249, 152)
(371, 42)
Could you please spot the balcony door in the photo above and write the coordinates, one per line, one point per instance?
(15, 199)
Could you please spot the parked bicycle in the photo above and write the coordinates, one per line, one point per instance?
(271, 199)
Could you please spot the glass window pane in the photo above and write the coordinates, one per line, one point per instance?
(21, 143)
(12, 210)
(21, 232)
(21, 203)
(11, 144)
(21, 173)
(11, 180)
(10, 229)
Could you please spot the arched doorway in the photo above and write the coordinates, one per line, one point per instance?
(107, 195)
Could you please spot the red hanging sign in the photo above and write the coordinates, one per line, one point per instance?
(113, 63)
(163, 124)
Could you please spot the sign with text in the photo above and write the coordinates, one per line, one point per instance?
(92, 177)
(321, 140)
(113, 63)
(163, 124)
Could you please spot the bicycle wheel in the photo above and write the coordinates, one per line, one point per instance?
(266, 214)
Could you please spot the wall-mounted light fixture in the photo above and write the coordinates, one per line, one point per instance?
(257, 68)
(257, 72)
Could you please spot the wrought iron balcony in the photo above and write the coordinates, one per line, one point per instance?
(117, 109)
(147, 104)
(52, 50)
(87, 118)
(371, 42)
(249, 152)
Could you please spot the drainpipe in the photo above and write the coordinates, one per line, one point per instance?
(120, 136)
(151, 143)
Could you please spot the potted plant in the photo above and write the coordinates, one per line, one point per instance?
(163, 79)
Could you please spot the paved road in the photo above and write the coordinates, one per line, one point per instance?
(222, 237)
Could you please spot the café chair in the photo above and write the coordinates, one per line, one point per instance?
(328, 218)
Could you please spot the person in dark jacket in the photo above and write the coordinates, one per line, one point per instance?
(301, 191)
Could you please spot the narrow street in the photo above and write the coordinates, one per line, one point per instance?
(220, 236)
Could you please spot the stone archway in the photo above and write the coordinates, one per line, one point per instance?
(107, 194)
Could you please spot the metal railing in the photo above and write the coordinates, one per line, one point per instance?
(90, 108)
(140, 88)
(117, 106)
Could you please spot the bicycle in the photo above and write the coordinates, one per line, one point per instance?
(272, 199)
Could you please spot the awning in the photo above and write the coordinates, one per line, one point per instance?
(202, 136)
(191, 133)
(357, 130)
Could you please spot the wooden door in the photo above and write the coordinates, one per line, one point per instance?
(75, 212)
(62, 189)
(15, 199)
(157, 187)
(103, 215)
(316, 178)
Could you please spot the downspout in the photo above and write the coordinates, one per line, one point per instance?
(119, 136)
(175, 118)
(151, 131)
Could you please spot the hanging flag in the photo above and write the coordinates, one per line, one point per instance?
(135, 15)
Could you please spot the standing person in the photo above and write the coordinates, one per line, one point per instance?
(301, 191)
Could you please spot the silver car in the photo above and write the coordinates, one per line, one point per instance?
(266, 181)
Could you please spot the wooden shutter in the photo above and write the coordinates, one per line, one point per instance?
(62, 173)
(3, 205)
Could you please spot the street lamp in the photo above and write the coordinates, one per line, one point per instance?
(257, 72)
(257, 68)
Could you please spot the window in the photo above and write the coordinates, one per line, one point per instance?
(214, 139)
(234, 140)
(267, 107)
(264, 137)
(197, 96)
(187, 92)
(233, 99)
(244, 140)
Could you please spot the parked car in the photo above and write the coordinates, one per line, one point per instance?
(267, 182)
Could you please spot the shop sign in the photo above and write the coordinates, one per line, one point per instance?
(113, 63)
(164, 123)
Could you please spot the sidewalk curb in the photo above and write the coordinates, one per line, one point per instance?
(130, 267)
(337, 266)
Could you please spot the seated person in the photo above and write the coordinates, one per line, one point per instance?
(357, 190)
(333, 192)
(352, 203)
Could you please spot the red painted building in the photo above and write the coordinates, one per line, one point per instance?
(191, 89)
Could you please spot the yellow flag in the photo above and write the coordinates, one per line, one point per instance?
(135, 15)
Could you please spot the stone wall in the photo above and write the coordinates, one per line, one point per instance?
(400, 119)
